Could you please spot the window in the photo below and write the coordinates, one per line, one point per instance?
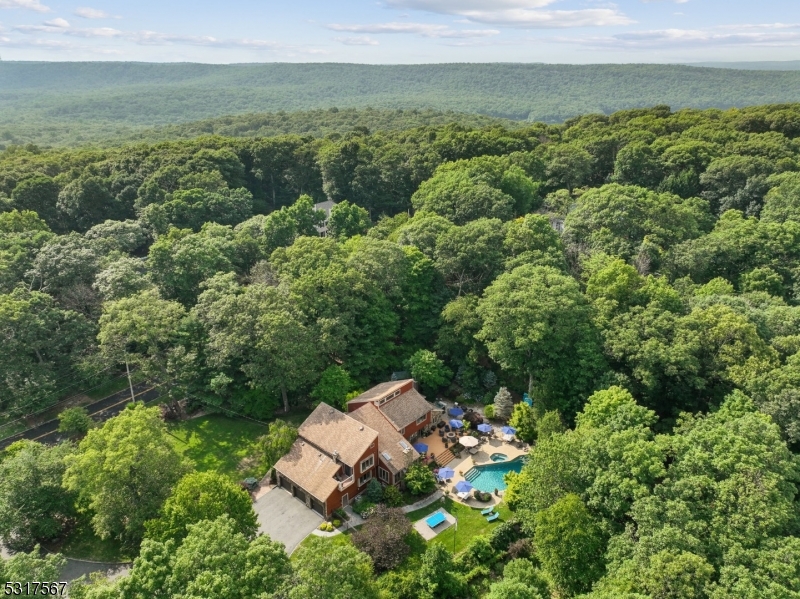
(367, 464)
(403, 431)
(383, 475)
(422, 419)
(364, 478)
(383, 400)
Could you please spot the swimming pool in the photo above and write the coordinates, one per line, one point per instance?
(489, 477)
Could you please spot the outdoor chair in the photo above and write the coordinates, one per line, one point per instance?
(487, 511)
(441, 432)
(493, 517)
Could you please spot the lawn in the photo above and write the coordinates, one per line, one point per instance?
(83, 544)
(470, 522)
(220, 444)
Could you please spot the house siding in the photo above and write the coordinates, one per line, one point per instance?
(334, 500)
(413, 428)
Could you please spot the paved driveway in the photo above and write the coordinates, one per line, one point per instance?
(285, 518)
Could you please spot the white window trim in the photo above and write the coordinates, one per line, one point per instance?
(422, 419)
(371, 460)
(365, 478)
(382, 471)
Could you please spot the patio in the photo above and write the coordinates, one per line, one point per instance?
(461, 465)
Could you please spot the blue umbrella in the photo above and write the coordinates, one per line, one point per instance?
(508, 430)
(463, 487)
(457, 412)
(485, 428)
(445, 473)
(456, 424)
(421, 447)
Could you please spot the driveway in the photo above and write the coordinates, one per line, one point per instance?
(285, 518)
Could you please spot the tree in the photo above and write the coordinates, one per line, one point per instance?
(38, 193)
(537, 323)
(419, 479)
(570, 545)
(503, 404)
(423, 231)
(549, 424)
(74, 422)
(429, 371)
(374, 491)
(638, 164)
(523, 419)
(122, 278)
(203, 496)
(437, 577)
(783, 201)
(87, 201)
(455, 195)
(123, 472)
(30, 567)
(383, 537)
(333, 387)
(323, 571)
(22, 234)
(277, 442)
(33, 505)
(214, 561)
(469, 257)
(347, 220)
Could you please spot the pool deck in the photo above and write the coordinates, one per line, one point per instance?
(462, 465)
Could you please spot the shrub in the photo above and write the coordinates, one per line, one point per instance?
(337, 523)
(362, 505)
(74, 422)
(323, 526)
(392, 497)
(420, 480)
(383, 537)
(504, 534)
(374, 492)
(488, 411)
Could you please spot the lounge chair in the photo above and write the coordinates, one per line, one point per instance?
(487, 511)
(493, 517)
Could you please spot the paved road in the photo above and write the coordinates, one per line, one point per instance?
(285, 518)
(100, 410)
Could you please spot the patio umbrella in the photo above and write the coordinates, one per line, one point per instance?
(445, 473)
(457, 412)
(468, 441)
(463, 487)
(456, 424)
(508, 430)
(485, 428)
(421, 447)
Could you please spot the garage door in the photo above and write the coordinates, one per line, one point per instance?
(300, 494)
(317, 506)
(286, 484)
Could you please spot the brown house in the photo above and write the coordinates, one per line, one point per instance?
(336, 455)
(332, 460)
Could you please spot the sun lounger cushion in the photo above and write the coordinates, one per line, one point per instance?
(487, 511)
(493, 517)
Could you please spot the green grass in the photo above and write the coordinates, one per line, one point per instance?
(334, 541)
(470, 522)
(219, 444)
(82, 543)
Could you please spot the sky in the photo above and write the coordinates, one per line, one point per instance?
(401, 31)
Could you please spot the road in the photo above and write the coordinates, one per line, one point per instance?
(100, 411)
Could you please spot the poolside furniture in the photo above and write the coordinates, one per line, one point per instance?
(508, 430)
(435, 520)
(487, 511)
(474, 450)
(493, 517)
(463, 495)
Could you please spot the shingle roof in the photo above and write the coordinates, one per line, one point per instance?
(390, 442)
(334, 432)
(406, 409)
(309, 468)
(379, 391)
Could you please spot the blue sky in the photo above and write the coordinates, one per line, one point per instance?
(401, 31)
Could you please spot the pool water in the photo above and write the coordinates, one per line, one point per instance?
(489, 477)
(498, 457)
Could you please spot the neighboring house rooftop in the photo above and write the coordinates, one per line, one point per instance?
(394, 450)
(310, 468)
(337, 434)
(406, 409)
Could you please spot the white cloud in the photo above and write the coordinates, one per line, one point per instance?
(769, 36)
(524, 14)
(675, 1)
(361, 40)
(423, 29)
(92, 13)
(34, 5)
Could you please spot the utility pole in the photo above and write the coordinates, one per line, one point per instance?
(130, 383)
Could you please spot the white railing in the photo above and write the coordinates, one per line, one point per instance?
(343, 484)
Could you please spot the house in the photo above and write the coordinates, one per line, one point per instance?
(400, 404)
(326, 207)
(336, 455)
(332, 460)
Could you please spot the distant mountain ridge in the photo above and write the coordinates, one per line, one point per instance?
(102, 100)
